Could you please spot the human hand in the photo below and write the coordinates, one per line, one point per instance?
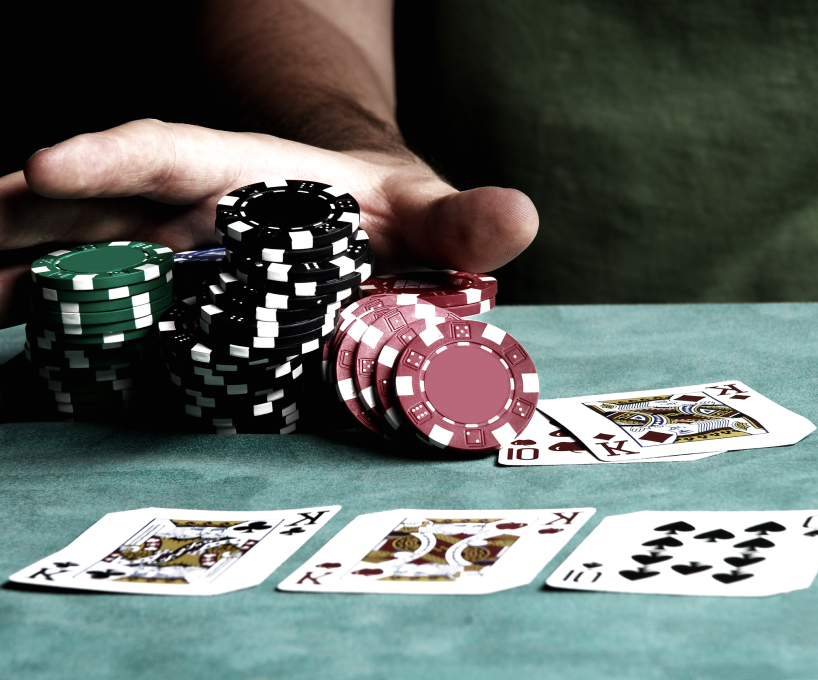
(159, 182)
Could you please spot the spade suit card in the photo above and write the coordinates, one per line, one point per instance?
(546, 442)
(729, 554)
(727, 416)
(438, 552)
(163, 551)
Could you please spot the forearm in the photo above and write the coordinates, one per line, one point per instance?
(315, 71)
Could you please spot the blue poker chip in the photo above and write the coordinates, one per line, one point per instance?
(211, 255)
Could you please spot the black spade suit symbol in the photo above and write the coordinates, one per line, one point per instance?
(638, 574)
(732, 577)
(755, 543)
(766, 528)
(653, 558)
(739, 562)
(675, 527)
(663, 542)
(715, 536)
(692, 568)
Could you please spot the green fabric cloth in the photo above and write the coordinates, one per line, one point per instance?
(60, 478)
(671, 148)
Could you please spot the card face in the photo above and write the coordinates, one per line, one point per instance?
(727, 416)
(438, 552)
(546, 442)
(730, 554)
(163, 551)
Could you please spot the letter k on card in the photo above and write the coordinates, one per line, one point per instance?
(715, 416)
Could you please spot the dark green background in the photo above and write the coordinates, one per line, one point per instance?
(60, 478)
(671, 148)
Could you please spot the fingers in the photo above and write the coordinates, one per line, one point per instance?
(28, 219)
(84, 189)
(164, 162)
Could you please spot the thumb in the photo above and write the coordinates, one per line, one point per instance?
(477, 230)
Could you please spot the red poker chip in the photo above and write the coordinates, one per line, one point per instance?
(386, 403)
(343, 364)
(471, 388)
(481, 307)
(358, 309)
(379, 333)
(442, 288)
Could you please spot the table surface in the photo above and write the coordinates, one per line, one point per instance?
(59, 478)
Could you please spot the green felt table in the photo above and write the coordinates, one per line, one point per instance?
(58, 478)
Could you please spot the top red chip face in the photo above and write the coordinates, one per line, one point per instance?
(470, 387)
(444, 289)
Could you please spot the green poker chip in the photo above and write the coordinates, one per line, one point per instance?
(45, 291)
(45, 354)
(101, 266)
(137, 317)
(48, 339)
(84, 376)
(147, 298)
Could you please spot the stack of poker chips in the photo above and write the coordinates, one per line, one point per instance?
(239, 351)
(94, 308)
(461, 293)
(404, 367)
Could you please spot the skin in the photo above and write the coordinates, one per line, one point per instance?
(316, 82)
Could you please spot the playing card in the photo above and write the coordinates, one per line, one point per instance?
(162, 551)
(726, 416)
(438, 552)
(546, 442)
(733, 554)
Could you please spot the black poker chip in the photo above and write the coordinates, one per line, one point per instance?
(180, 337)
(288, 214)
(304, 288)
(286, 256)
(320, 270)
(229, 402)
(234, 303)
(283, 408)
(219, 336)
(259, 296)
(232, 322)
(274, 424)
(262, 383)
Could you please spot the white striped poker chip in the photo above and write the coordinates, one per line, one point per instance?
(260, 297)
(115, 385)
(105, 294)
(443, 288)
(469, 386)
(282, 343)
(265, 329)
(300, 289)
(337, 267)
(287, 214)
(253, 410)
(267, 314)
(230, 388)
(209, 401)
(117, 372)
(102, 265)
(284, 256)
